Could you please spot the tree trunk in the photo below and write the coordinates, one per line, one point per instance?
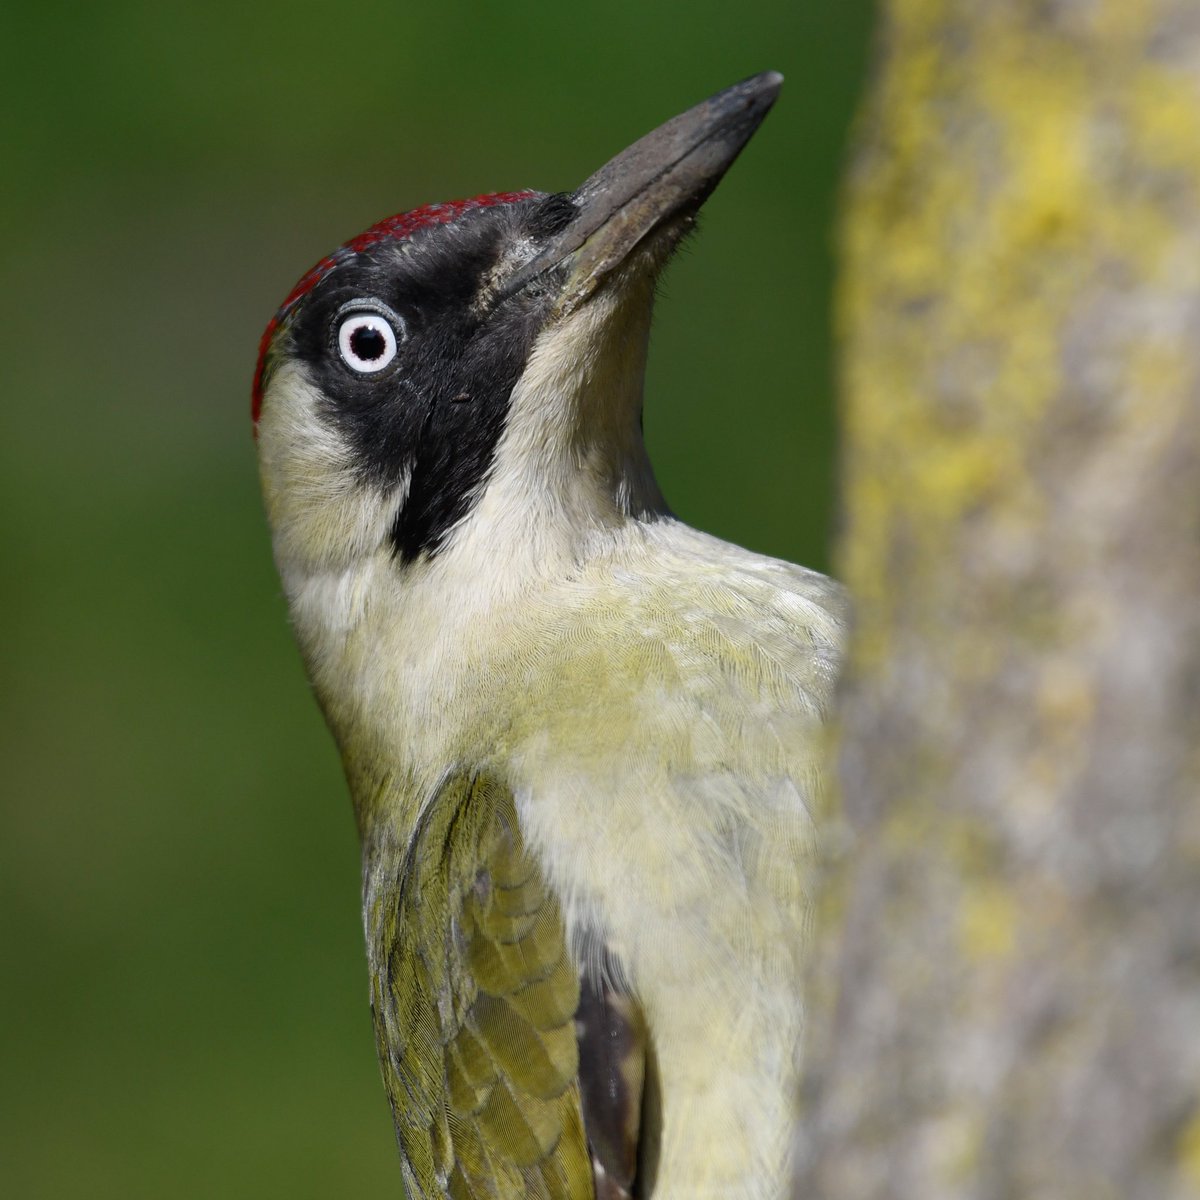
(1005, 995)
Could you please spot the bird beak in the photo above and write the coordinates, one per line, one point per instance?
(665, 175)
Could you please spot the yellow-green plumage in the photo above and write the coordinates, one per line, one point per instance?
(660, 746)
(474, 996)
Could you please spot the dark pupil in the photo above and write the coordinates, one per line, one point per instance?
(369, 344)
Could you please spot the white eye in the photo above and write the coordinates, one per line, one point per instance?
(367, 342)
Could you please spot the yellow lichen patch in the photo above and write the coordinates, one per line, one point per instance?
(1157, 370)
(955, 1142)
(923, 16)
(954, 483)
(1037, 96)
(1065, 696)
(1188, 1152)
(1161, 112)
(909, 826)
(988, 922)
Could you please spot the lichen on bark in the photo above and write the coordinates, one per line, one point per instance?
(1006, 988)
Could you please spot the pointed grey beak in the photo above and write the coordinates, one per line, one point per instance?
(666, 174)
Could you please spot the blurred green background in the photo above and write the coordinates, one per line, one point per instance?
(184, 1002)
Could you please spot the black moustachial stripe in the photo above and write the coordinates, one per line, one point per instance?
(434, 415)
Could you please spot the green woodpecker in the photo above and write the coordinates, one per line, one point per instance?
(583, 739)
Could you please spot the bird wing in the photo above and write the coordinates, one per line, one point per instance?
(474, 996)
(618, 1086)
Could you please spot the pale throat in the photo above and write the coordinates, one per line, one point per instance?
(572, 454)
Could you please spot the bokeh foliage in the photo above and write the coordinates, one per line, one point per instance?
(183, 1010)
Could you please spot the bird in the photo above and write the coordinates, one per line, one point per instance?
(584, 741)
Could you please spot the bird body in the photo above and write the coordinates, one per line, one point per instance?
(582, 738)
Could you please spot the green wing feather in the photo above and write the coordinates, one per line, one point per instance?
(474, 994)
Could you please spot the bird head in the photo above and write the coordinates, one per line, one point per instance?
(474, 369)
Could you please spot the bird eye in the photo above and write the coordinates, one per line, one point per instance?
(366, 342)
